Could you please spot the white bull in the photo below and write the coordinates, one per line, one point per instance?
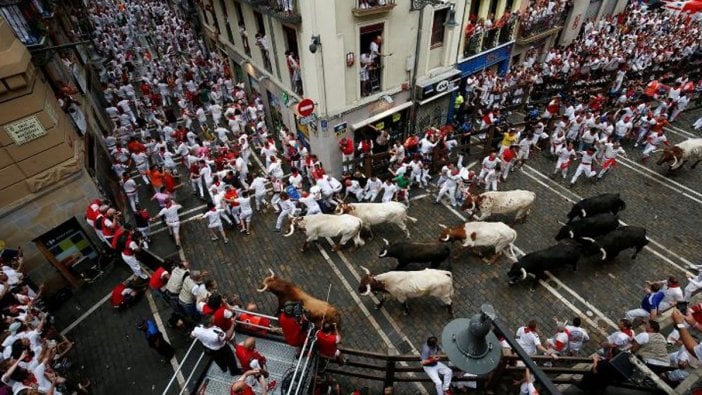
(328, 225)
(483, 234)
(688, 150)
(403, 285)
(378, 213)
(500, 202)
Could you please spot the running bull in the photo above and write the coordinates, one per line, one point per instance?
(688, 150)
(315, 309)
(605, 203)
(594, 226)
(407, 285)
(406, 253)
(616, 241)
(536, 263)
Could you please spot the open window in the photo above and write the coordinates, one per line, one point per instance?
(371, 59)
(438, 27)
(263, 41)
(292, 59)
(242, 28)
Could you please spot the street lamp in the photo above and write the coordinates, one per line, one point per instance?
(470, 343)
(451, 23)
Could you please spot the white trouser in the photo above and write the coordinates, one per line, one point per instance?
(281, 217)
(690, 288)
(562, 167)
(637, 313)
(483, 173)
(698, 124)
(506, 169)
(134, 265)
(347, 158)
(439, 369)
(446, 189)
(647, 151)
(583, 168)
(372, 195)
(133, 199)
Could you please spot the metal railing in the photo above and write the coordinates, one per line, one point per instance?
(529, 27)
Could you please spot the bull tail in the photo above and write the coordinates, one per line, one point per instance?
(411, 218)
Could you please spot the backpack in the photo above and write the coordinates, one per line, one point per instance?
(293, 309)
(121, 241)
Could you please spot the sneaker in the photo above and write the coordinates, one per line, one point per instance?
(277, 230)
(636, 145)
(214, 238)
(226, 241)
(571, 185)
(272, 385)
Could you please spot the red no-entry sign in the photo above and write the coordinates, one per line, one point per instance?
(305, 107)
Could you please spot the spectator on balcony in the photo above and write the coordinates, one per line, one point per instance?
(375, 53)
(286, 6)
(294, 69)
(364, 73)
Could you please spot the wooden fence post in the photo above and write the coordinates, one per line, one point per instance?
(389, 373)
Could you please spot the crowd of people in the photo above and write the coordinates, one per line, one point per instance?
(34, 351)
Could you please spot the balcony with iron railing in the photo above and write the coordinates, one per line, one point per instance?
(287, 11)
(27, 18)
(372, 7)
(533, 28)
(485, 40)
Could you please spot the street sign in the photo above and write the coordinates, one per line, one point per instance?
(305, 107)
(308, 119)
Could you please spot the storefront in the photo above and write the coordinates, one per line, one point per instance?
(434, 98)
(393, 119)
(497, 58)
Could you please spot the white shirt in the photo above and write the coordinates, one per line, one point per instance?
(529, 341)
(170, 213)
(213, 217)
(576, 337)
(212, 337)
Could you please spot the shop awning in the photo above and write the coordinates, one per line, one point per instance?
(438, 86)
(381, 115)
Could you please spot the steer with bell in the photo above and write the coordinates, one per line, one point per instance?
(517, 202)
(378, 213)
(408, 285)
(406, 253)
(536, 263)
(616, 241)
(345, 226)
(605, 203)
(594, 226)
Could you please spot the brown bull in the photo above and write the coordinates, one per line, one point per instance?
(315, 309)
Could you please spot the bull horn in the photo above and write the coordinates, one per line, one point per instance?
(368, 290)
(524, 273)
(561, 223)
(675, 162)
(656, 151)
(365, 269)
(572, 235)
(292, 230)
(443, 226)
(447, 238)
(264, 289)
(582, 210)
(387, 243)
(604, 254)
(271, 271)
(590, 239)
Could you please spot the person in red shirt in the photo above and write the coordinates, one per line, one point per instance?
(251, 360)
(346, 147)
(124, 296)
(327, 340)
(157, 282)
(508, 160)
(291, 320)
